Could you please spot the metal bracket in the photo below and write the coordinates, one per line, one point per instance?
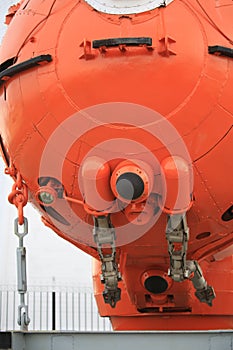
(87, 50)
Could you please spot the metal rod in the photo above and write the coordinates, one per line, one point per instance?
(40, 311)
(72, 310)
(7, 302)
(79, 312)
(60, 309)
(98, 321)
(66, 310)
(53, 311)
(85, 312)
(1, 310)
(91, 312)
(14, 296)
(34, 310)
(47, 310)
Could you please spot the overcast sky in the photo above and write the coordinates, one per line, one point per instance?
(49, 257)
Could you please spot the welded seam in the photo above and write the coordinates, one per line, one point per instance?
(213, 147)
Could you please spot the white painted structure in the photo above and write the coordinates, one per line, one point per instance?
(126, 7)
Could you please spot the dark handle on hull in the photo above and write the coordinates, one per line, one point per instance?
(114, 42)
(23, 66)
(220, 50)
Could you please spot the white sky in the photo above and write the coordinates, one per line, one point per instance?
(49, 257)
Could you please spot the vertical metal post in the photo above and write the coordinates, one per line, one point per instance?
(85, 310)
(66, 310)
(98, 321)
(34, 310)
(47, 311)
(53, 311)
(79, 312)
(92, 312)
(40, 310)
(72, 310)
(7, 308)
(14, 296)
(1, 309)
(60, 309)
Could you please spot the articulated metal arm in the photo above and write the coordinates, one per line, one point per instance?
(177, 235)
(203, 292)
(104, 236)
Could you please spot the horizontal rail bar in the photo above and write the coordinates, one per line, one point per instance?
(23, 66)
(113, 42)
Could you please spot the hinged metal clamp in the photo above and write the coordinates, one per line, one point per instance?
(104, 236)
(177, 235)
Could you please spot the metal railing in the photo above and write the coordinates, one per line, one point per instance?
(59, 308)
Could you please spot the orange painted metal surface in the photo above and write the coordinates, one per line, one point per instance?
(121, 104)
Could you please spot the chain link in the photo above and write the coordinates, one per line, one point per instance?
(19, 193)
(105, 238)
(19, 197)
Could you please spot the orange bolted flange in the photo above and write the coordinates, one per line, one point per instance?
(132, 181)
(156, 281)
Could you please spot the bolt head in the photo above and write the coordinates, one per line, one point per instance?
(46, 197)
